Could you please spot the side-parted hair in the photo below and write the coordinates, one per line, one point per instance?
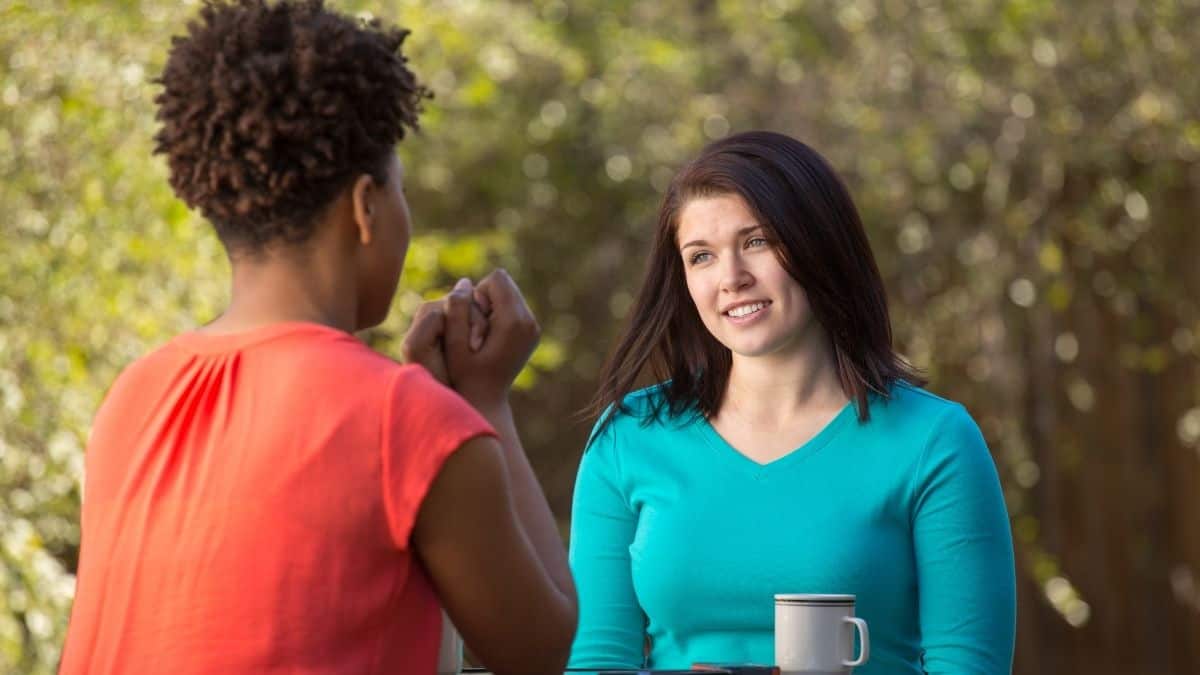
(793, 193)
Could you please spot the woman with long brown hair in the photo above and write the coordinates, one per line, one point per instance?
(786, 447)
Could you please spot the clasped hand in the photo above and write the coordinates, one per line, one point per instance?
(475, 339)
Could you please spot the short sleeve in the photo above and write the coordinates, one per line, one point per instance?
(423, 423)
(964, 554)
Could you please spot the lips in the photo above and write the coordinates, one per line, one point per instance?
(744, 309)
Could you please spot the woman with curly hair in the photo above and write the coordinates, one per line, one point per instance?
(266, 493)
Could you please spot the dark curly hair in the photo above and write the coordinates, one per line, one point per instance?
(268, 110)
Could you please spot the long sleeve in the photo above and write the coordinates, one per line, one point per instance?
(964, 554)
(611, 630)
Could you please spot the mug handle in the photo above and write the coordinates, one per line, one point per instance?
(864, 641)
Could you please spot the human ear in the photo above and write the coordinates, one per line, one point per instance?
(361, 194)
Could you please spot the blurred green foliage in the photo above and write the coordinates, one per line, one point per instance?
(1029, 172)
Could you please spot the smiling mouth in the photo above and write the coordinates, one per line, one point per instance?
(743, 311)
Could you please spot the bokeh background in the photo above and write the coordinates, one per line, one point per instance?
(1029, 172)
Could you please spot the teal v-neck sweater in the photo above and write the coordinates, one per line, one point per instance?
(677, 536)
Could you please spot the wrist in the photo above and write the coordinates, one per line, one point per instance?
(480, 392)
(494, 407)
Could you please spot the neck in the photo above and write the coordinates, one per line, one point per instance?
(290, 284)
(769, 390)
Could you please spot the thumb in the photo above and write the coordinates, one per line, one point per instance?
(458, 317)
(479, 326)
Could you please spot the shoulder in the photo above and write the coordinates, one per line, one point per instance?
(146, 375)
(341, 355)
(414, 386)
(638, 433)
(947, 437)
(614, 447)
(917, 425)
(332, 362)
(419, 406)
(643, 403)
(911, 398)
(642, 411)
(916, 411)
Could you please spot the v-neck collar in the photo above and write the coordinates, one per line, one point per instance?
(740, 462)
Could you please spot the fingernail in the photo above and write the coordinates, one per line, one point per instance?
(462, 283)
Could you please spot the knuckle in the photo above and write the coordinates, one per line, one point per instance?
(456, 301)
(528, 325)
(499, 277)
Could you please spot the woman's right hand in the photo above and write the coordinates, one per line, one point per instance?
(484, 376)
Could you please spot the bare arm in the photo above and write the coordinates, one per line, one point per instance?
(488, 575)
(532, 507)
(483, 375)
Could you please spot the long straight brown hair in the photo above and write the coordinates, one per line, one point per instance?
(794, 193)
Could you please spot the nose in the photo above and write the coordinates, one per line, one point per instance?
(734, 275)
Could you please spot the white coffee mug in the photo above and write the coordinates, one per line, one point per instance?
(450, 658)
(814, 634)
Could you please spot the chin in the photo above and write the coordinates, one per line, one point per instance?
(747, 353)
(751, 350)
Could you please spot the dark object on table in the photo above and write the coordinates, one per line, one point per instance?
(737, 669)
(636, 671)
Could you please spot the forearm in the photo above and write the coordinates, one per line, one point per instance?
(532, 508)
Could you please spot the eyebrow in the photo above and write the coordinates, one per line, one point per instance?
(742, 232)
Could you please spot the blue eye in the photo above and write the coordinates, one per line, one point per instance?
(757, 241)
(699, 257)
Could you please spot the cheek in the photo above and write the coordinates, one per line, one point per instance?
(781, 282)
(405, 221)
(696, 290)
(398, 240)
(798, 300)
